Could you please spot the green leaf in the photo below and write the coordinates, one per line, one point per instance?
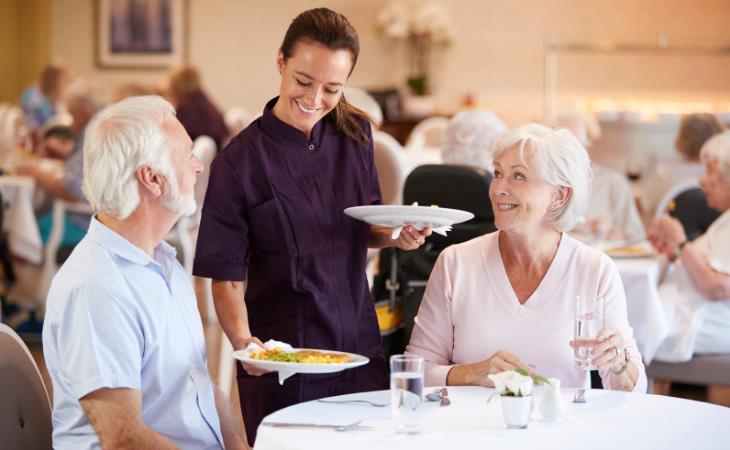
(522, 372)
(540, 378)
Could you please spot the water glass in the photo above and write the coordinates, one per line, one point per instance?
(406, 392)
(589, 321)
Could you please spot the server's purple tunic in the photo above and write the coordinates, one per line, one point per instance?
(274, 208)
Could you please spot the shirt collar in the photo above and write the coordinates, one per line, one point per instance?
(283, 131)
(114, 242)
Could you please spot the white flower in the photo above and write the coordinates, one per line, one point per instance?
(511, 382)
(427, 20)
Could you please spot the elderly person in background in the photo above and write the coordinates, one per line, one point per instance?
(39, 102)
(506, 300)
(84, 99)
(694, 131)
(470, 137)
(697, 293)
(123, 340)
(195, 111)
(611, 212)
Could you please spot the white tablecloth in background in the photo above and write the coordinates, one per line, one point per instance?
(640, 277)
(610, 421)
(24, 238)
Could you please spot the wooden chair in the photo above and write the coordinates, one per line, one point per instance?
(25, 411)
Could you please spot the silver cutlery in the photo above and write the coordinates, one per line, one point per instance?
(579, 396)
(352, 426)
(353, 402)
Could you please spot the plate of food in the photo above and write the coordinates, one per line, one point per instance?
(420, 217)
(298, 360)
(630, 251)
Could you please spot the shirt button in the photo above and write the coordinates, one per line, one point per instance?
(311, 146)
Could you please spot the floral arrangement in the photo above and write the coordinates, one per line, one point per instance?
(421, 25)
(515, 383)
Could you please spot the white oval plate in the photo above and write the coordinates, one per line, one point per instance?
(420, 217)
(355, 361)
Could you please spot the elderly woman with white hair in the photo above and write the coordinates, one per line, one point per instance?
(470, 137)
(697, 292)
(506, 300)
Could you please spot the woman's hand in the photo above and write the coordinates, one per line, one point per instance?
(666, 234)
(476, 374)
(608, 352)
(410, 238)
(251, 370)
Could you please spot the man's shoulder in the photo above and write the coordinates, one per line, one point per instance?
(89, 264)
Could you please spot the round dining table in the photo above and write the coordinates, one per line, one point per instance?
(610, 420)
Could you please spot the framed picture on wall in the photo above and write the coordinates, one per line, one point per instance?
(140, 33)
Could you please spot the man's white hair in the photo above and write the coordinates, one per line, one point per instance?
(557, 158)
(120, 139)
(717, 149)
(470, 138)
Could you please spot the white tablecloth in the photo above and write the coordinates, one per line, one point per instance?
(24, 238)
(610, 420)
(640, 277)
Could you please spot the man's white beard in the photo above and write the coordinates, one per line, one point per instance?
(172, 201)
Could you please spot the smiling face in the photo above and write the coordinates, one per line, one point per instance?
(312, 80)
(716, 187)
(519, 198)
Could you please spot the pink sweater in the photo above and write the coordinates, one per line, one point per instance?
(469, 311)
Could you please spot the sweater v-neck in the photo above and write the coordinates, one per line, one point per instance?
(546, 289)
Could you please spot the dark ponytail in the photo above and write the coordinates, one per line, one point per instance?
(333, 30)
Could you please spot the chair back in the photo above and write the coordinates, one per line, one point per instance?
(25, 411)
(360, 99)
(391, 166)
(428, 133)
(452, 186)
(688, 204)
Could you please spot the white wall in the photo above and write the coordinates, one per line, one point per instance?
(497, 51)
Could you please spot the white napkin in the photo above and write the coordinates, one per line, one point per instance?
(440, 230)
(270, 345)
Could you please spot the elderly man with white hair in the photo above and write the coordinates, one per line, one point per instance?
(122, 339)
(697, 293)
(470, 138)
(506, 300)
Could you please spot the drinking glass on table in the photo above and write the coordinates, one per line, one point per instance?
(589, 321)
(406, 392)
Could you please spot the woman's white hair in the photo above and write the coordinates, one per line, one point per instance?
(557, 158)
(120, 139)
(717, 149)
(470, 137)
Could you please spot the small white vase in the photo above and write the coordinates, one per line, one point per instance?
(516, 411)
(551, 404)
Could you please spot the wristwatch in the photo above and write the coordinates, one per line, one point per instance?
(627, 360)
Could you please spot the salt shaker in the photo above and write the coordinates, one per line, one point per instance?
(551, 405)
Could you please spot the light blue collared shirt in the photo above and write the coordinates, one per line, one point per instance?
(117, 318)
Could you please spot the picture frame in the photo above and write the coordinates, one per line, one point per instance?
(140, 34)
